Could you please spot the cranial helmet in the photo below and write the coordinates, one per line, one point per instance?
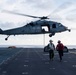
(50, 41)
(59, 41)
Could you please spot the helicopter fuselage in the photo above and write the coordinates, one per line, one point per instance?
(37, 27)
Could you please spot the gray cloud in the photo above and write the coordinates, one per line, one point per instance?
(62, 7)
(71, 17)
(5, 25)
(72, 11)
(37, 7)
(38, 4)
(11, 2)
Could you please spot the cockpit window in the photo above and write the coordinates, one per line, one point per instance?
(53, 25)
(60, 24)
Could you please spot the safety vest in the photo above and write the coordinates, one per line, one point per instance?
(51, 46)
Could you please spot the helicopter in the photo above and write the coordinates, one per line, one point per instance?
(35, 27)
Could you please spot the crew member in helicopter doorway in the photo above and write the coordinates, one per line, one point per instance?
(51, 50)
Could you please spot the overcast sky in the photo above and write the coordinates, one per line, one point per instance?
(63, 11)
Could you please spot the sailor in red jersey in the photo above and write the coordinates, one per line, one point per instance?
(60, 48)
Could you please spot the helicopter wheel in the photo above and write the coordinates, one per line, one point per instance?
(6, 39)
(69, 30)
(50, 35)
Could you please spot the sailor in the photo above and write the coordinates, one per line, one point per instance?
(51, 49)
(60, 48)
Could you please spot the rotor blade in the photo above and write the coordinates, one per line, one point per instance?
(20, 14)
(61, 7)
(73, 28)
(71, 17)
(56, 17)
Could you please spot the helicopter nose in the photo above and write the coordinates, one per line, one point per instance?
(67, 29)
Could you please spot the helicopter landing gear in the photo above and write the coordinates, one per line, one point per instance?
(7, 37)
(50, 35)
(69, 30)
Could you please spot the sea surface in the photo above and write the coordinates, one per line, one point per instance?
(34, 46)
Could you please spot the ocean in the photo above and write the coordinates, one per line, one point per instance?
(34, 46)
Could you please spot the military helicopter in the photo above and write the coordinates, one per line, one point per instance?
(35, 27)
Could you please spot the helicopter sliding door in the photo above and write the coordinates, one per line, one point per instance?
(45, 28)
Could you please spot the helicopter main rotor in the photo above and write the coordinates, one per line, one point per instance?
(43, 17)
(63, 5)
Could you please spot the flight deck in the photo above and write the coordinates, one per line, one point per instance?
(34, 61)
